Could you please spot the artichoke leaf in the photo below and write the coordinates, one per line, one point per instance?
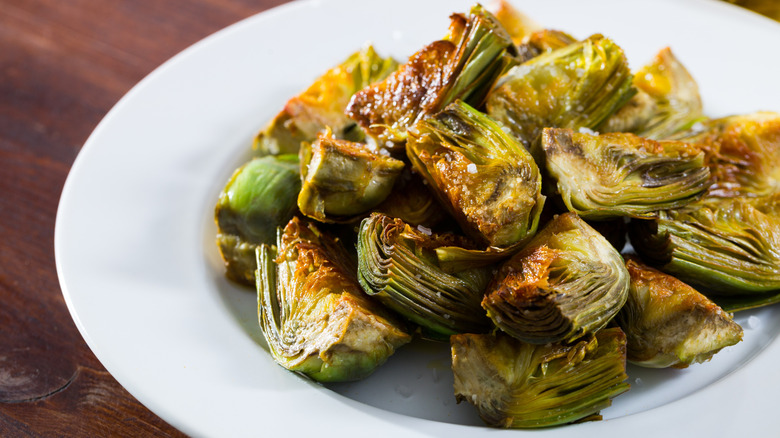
(667, 101)
(728, 247)
(567, 282)
(343, 179)
(313, 314)
(514, 384)
(612, 175)
(576, 86)
(397, 265)
(323, 103)
(669, 324)
(259, 197)
(464, 66)
(482, 174)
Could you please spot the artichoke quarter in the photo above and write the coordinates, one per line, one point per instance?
(398, 265)
(342, 178)
(483, 175)
(729, 247)
(667, 101)
(669, 324)
(322, 105)
(514, 384)
(259, 197)
(612, 175)
(313, 314)
(576, 86)
(462, 66)
(567, 282)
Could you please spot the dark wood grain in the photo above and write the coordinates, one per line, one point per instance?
(63, 64)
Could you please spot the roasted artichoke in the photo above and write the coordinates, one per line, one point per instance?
(669, 324)
(743, 153)
(567, 282)
(323, 103)
(514, 384)
(463, 66)
(313, 314)
(482, 174)
(612, 175)
(667, 101)
(577, 86)
(342, 178)
(398, 265)
(728, 247)
(258, 198)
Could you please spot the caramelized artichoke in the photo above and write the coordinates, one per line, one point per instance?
(743, 153)
(485, 177)
(398, 265)
(258, 198)
(667, 101)
(463, 66)
(669, 324)
(730, 247)
(577, 86)
(518, 385)
(611, 175)
(342, 178)
(567, 282)
(322, 104)
(313, 314)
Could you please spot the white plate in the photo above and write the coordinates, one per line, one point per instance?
(142, 278)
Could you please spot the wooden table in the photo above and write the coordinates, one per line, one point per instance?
(63, 64)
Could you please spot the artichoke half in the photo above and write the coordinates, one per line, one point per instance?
(483, 175)
(612, 175)
(730, 248)
(342, 178)
(397, 264)
(667, 101)
(577, 86)
(323, 103)
(259, 197)
(313, 314)
(463, 66)
(514, 384)
(669, 324)
(567, 282)
(743, 153)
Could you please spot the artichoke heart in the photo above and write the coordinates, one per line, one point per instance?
(342, 178)
(576, 86)
(667, 101)
(567, 282)
(613, 175)
(743, 153)
(313, 314)
(728, 247)
(397, 264)
(669, 324)
(259, 197)
(483, 175)
(322, 105)
(462, 66)
(514, 384)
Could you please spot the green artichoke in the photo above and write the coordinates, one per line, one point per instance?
(669, 324)
(313, 314)
(398, 265)
(482, 174)
(567, 282)
(613, 175)
(259, 197)
(514, 384)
